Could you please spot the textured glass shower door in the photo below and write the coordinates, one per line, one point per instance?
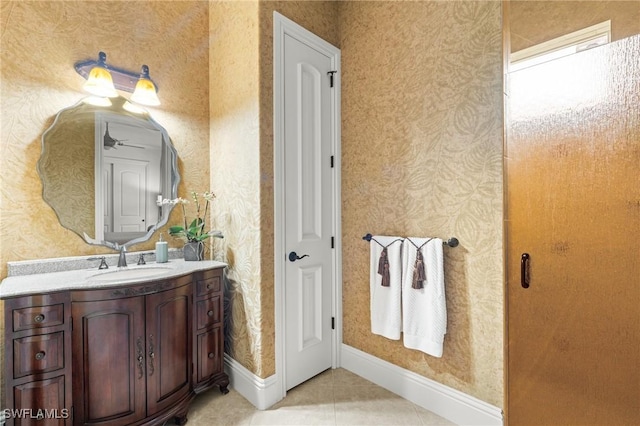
(573, 239)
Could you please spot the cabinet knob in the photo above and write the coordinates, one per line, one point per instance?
(40, 355)
(211, 355)
(39, 318)
(210, 313)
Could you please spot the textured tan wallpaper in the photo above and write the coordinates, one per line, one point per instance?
(67, 161)
(241, 35)
(422, 156)
(39, 44)
(421, 146)
(235, 173)
(321, 18)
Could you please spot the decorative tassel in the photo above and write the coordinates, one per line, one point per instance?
(383, 268)
(418, 272)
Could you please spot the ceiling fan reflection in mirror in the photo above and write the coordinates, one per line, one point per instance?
(110, 142)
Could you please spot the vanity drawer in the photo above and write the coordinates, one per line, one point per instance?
(209, 312)
(38, 317)
(38, 354)
(209, 285)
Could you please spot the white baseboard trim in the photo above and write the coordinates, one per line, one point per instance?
(453, 405)
(262, 393)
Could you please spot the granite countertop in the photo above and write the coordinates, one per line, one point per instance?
(93, 278)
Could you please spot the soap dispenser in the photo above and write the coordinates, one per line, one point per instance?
(162, 251)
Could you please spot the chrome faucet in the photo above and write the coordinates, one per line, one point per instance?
(122, 259)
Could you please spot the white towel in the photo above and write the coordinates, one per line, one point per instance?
(386, 319)
(424, 310)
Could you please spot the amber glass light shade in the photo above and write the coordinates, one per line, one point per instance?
(100, 83)
(145, 91)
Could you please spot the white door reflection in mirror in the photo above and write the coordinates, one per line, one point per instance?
(129, 162)
(129, 188)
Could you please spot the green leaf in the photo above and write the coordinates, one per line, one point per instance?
(176, 230)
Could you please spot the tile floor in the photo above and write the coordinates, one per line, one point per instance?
(335, 397)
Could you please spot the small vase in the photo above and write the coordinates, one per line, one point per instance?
(194, 251)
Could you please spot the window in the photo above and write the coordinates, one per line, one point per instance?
(567, 44)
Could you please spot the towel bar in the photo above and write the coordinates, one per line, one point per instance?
(451, 242)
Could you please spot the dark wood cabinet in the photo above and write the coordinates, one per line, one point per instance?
(125, 355)
(37, 366)
(136, 354)
(108, 362)
(169, 319)
(208, 333)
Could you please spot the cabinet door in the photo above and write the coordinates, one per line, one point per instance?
(108, 361)
(168, 347)
(41, 403)
(210, 360)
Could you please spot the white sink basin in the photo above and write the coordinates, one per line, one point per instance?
(126, 274)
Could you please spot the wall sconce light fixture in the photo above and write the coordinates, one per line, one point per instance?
(103, 80)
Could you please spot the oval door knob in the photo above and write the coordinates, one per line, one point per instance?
(293, 256)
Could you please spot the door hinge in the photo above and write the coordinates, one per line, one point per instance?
(331, 73)
(332, 161)
(71, 321)
(333, 323)
(333, 242)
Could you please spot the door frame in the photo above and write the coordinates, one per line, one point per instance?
(283, 26)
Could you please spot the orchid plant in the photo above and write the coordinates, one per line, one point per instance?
(194, 232)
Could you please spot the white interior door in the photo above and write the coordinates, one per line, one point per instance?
(129, 195)
(308, 211)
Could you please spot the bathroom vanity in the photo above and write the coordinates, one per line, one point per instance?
(125, 346)
(113, 347)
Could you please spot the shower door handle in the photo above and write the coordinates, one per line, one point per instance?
(524, 270)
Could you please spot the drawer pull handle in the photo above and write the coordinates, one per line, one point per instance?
(39, 318)
(210, 313)
(211, 355)
(40, 355)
